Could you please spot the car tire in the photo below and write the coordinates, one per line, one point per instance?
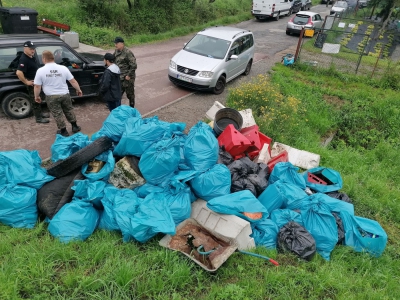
(17, 105)
(287, 32)
(79, 158)
(220, 85)
(248, 68)
(277, 17)
(290, 12)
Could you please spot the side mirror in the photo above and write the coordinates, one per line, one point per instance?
(233, 57)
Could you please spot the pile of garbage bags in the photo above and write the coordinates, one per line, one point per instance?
(301, 212)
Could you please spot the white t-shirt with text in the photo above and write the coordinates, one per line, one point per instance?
(53, 79)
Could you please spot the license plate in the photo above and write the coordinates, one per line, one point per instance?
(256, 11)
(184, 78)
(297, 27)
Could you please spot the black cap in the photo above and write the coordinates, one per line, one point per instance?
(118, 39)
(110, 57)
(29, 44)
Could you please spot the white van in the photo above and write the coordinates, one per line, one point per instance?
(263, 9)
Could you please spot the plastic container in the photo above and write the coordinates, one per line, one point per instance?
(251, 133)
(265, 140)
(18, 20)
(235, 142)
(226, 116)
(281, 157)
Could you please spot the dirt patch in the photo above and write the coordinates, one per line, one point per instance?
(334, 101)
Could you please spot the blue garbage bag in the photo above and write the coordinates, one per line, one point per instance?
(23, 167)
(89, 191)
(146, 189)
(363, 235)
(283, 216)
(201, 147)
(286, 172)
(212, 183)
(64, 147)
(265, 233)
(76, 220)
(114, 125)
(237, 204)
(282, 195)
(153, 216)
(319, 221)
(105, 171)
(107, 217)
(179, 182)
(139, 136)
(288, 60)
(18, 206)
(182, 137)
(160, 161)
(126, 204)
(335, 205)
(330, 176)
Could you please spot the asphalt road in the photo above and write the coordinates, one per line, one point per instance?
(155, 94)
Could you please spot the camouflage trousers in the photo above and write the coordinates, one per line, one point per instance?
(36, 107)
(59, 105)
(128, 86)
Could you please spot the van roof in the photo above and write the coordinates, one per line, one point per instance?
(224, 32)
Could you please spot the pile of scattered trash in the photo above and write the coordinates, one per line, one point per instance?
(140, 176)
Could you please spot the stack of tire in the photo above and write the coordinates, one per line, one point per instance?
(54, 194)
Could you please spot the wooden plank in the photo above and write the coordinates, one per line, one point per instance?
(48, 30)
(56, 24)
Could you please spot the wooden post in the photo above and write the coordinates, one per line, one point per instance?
(377, 59)
(299, 44)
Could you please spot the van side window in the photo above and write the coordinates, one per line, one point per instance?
(247, 42)
(235, 48)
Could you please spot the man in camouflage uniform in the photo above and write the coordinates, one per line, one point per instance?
(126, 62)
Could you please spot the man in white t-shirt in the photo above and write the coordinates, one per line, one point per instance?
(53, 79)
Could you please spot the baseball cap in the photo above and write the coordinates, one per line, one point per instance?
(109, 57)
(118, 39)
(29, 44)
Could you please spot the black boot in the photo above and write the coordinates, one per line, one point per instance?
(45, 115)
(75, 128)
(42, 120)
(63, 132)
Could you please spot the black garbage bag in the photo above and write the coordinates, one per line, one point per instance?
(224, 157)
(340, 228)
(340, 196)
(243, 184)
(238, 170)
(251, 167)
(260, 180)
(295, 238)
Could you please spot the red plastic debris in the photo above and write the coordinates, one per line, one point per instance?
(265, 140)
(281, 157)
(235, 142)
(251, 133)
(315, 179)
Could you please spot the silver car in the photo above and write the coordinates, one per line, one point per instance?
(213, 57)
(306, 19)
(339, 8)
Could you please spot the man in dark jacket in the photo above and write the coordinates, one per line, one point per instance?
(110, 84)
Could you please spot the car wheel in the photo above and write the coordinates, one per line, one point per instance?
(290, 12)
(287, 32)
(79, 158)
(248, 68)
(220, 85)
(277, 17)
(17, 105)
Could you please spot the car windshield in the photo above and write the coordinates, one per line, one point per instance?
(300, 19)
(341, 4)
(208, 46)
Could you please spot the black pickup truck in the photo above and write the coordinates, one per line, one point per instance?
(85, 67)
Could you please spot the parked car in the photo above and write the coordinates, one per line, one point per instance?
(264, 9)
(213, 57)
(306, 4)
(306, 19)
(296, 6)
(324, 1)
(339, 8)
(13, 93)
(363, 3)
(352, 4)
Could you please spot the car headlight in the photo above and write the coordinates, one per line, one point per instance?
(172, 64)
(206, 74)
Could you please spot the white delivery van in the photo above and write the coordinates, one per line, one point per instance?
(263, 9)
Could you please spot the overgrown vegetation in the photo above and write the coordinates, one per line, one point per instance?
(99, 21)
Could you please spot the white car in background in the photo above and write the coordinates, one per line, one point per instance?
(339, 8)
